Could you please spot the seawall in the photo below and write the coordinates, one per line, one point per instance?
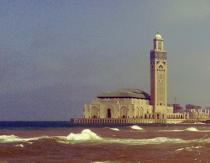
(122, 121)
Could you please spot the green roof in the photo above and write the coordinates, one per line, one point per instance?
(126, 93)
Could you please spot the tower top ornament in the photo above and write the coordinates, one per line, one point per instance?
(158, 36)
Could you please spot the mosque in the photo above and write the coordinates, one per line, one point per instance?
(135, 106)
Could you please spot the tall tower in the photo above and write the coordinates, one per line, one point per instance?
(158, 68)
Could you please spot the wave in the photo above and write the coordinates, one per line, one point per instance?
(89, 136)
(191, 129)
(157, 140)
(86, 134)
(19, 145)
(115, 129)
(9, 138)
(135, 127)
(188, 148)
(15, 139)
(170, 130)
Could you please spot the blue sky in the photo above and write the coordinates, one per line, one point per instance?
(57, 55)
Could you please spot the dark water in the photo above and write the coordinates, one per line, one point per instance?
(33, 124)
(60, 142)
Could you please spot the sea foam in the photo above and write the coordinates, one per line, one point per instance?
(19, 145)
(85, 135)
(89, 136)
(157, 140)
(170, 130)
(115, 129)
(191, 129)
(135, 127)
(14, 138)
(191, 148)
(9, 139)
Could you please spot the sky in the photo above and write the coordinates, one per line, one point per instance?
(55, 56)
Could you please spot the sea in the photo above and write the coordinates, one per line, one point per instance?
(61, 142)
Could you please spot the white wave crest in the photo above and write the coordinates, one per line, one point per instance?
(136, 127)
(115, 129)
(19, 145)
(188, 148)
(14, 139)
(85, 135)
(170, 130)
(157, 140)
(88, 136)
(191, 129)
(81, 137)
(9, 138)
(180, 149)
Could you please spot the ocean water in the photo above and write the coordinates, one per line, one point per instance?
(61, 142)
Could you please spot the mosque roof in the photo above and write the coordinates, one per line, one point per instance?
(126, 93)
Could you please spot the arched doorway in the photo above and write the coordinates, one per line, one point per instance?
(109, 113)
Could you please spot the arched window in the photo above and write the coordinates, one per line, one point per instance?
(123, 112)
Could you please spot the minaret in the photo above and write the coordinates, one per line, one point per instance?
(158, 68)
